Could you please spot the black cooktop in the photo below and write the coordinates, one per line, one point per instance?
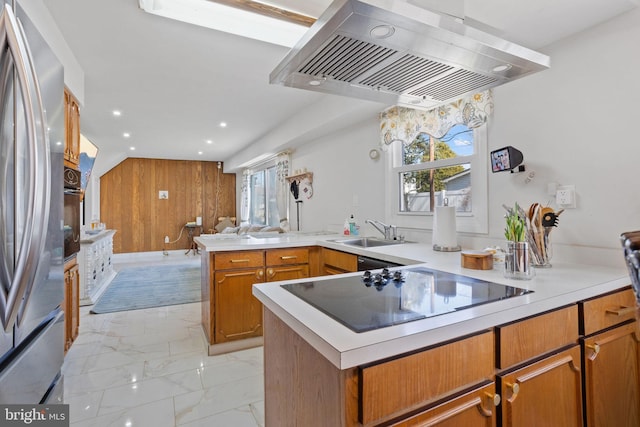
(384, 298)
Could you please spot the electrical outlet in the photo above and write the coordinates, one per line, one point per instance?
(566, 196)
(166, 239)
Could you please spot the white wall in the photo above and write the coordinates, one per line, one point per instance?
(345, 179)
(575, 124)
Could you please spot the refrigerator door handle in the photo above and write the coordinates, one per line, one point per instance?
(38, 185)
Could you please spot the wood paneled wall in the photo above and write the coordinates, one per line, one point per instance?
(129, 201)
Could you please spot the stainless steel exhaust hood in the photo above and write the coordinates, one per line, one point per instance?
(399, 53)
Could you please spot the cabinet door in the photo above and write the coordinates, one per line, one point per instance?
(72, 129)
(475, 408)
(288, 272)
(545, 393)
(612, 377)
(71, 304)
(238, 314)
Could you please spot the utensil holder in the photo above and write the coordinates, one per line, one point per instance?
(517, 263)
(540, 247)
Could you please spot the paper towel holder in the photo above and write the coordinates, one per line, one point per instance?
(448, 243)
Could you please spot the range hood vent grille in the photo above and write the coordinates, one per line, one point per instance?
(406, 73)
(345, 58)
(400, 53)
(454, 85)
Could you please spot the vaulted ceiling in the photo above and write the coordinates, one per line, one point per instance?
(176, 82)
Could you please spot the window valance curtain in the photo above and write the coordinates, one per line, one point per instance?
(399, 123)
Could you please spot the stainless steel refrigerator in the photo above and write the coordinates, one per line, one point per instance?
(31, 213)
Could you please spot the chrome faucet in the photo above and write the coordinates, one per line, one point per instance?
(388, 231)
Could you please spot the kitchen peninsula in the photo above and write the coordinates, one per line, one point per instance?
(534, 347)
(231, 316)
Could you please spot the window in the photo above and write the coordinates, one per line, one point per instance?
(438, 171)
(428, 171)
(263, 206)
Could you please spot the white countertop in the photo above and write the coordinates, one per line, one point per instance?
(554, 287)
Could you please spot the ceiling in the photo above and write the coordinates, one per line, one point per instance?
(175, 82)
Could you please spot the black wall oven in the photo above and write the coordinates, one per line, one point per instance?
(72, 196)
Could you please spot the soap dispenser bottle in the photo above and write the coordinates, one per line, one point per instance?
(353, 227)
(346, 228)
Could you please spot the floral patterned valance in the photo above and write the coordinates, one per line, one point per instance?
(404, 124)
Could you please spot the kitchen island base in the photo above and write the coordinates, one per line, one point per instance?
(302, 387)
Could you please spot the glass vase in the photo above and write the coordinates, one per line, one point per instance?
(517, 261)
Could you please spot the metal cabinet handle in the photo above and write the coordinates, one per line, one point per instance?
(234, 261)
(288, 257)
(515, 388)
(260, 274)
(595, 348)
(494, 397)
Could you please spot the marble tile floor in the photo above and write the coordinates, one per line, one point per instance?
(150, 368)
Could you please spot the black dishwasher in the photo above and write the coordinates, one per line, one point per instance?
(366, 263)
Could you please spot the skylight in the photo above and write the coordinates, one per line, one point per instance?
(228, 19)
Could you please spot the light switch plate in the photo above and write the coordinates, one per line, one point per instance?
(163, 194)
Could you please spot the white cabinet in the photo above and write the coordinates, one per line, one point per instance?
(96, 265)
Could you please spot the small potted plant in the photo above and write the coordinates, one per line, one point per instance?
(517, 264)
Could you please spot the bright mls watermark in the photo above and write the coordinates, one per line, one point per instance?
(34, 415)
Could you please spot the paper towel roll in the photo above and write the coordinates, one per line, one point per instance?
(444, 229)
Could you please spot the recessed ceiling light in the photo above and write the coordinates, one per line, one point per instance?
(223, 124)
(209, 141)
(200, 153)
(315, 83)
(132, 148)
(59, 143)
(117, 113)
(126, 134)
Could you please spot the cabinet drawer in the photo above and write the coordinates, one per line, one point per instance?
(605, 311)
(287, 256)
(239, 259)
(398, 386)
(340, 260)
(526, 339)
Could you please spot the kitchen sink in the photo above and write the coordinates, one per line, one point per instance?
(368, 242)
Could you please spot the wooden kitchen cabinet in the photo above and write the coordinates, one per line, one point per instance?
(71, 302)
(410, 381)
(72, 130)
(336, 262)
(544, 393)
(474, 408)
(237, 314)
(611, 358)
(287, 264)
(540, 381)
